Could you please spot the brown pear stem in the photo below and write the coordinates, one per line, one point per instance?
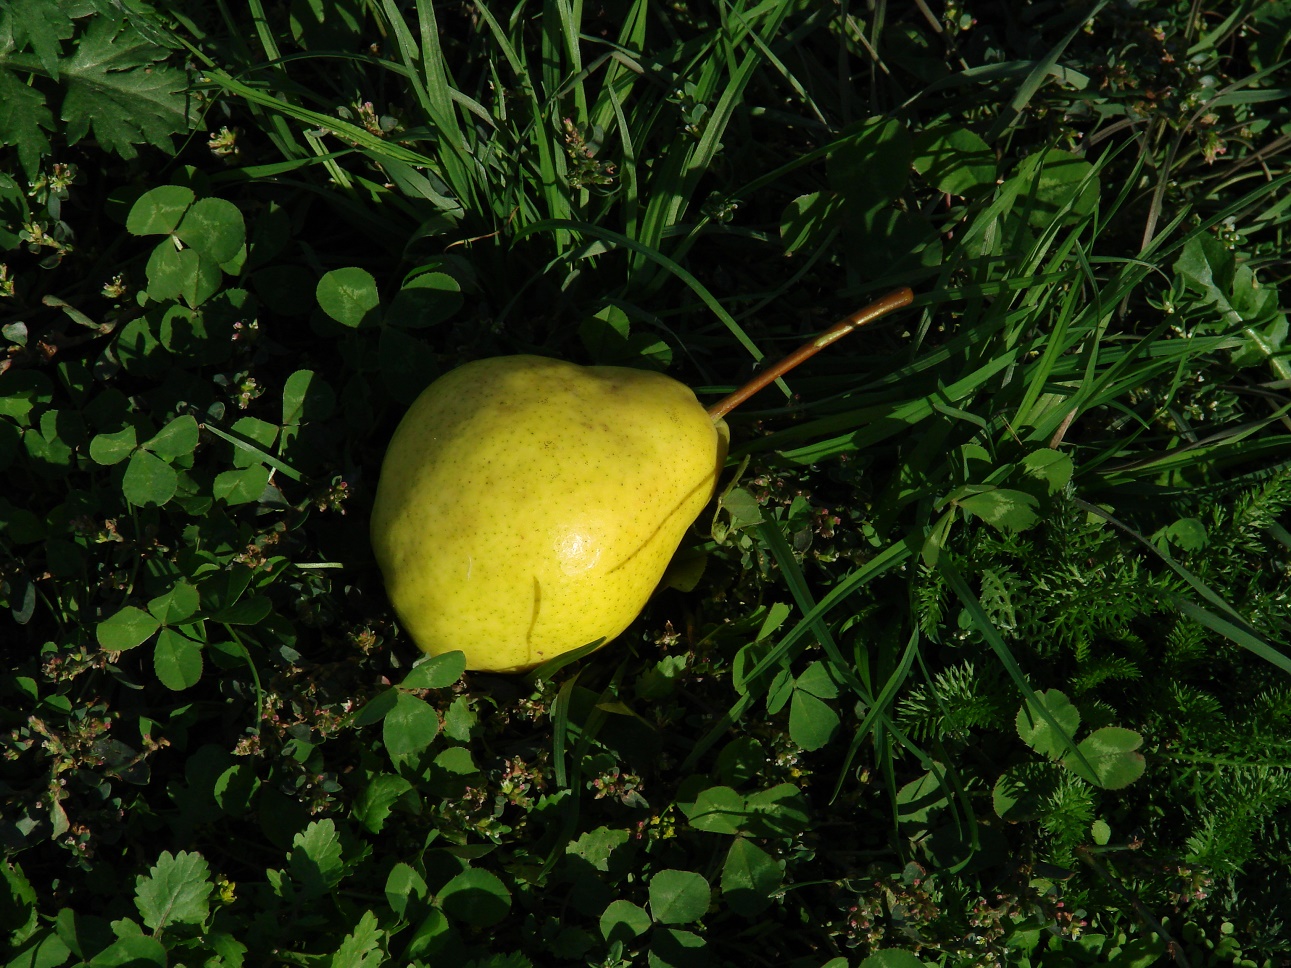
(881, 307)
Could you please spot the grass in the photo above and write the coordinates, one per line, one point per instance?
(986, 664)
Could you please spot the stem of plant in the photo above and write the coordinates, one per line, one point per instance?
(881, 307)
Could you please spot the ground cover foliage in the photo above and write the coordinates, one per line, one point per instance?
(987, 660)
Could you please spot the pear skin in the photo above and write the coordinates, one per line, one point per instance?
(528, 506)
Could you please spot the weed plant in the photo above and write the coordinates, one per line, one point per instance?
(980, 657)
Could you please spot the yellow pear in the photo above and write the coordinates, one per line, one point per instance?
(529, 506)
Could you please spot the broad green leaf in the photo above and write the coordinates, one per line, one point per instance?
(893, 958)
(781, 811)
(126, 629)
(403, 885)
(596, 846)
(741, 760)
(181, 274)
(149, 481)
(374, 804)
(109, 449)
(1003, 508)
(348, 295)
(872, 165)
(361, 947)
(1021, 792)
(623, 921)
(456, 759)
(1053, 467)
(158, 211)
(817, 680)
(177, 660)
(678, 897)
(1035, 729)
(241, 486)
(476, 897)
(130, 951)
(175, 891)
(438, 672)
(954, 160)
(425, 300)
(1113, 754)
(675, 948)
(409, 727)
(306, 397)
(214, 227)
(118, 88)
(1189, 534)
(812, 721)
(315, 858)
(255, 434)
(25, 118)
(718, 810)
(806, 220)
(749, 876)
(176, 605)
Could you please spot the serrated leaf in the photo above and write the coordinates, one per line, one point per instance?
(126, 629)
(596, 846)
(373, 805)
(1035, 729)
(1113, 753)
(1003, 508)
(360, 948)
(117, 89)
(24, 119)
(315, 858)
(679, 897)
(409, 727)
(175, 891)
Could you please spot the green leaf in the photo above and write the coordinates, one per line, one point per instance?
(476, 897)
(158, 211)
(812, 721)
(177, 660)
(749, 877)
(1035, 729)
(348, 295)
(403, 885)
(109, 449)
(409, 727)
(893, 958)
(675, 948)
(438, 672)
(596, 846)
(255, 432)
(241, 486)
(1003, 508)
(176, 605)
(181, 274)
(361, 947)
(175, 891)
(215, 228)
(1021, 792)
(954, 160)
(149, 481)
(1112, 752)
(130, 951)
(717, 810)
(374, 804)
(306, 397)
(315, 858)
(126, 629)
(623, 921)
(678, 897)
(781, 811)
(807, 218)
(425, 300)
(177, 439)
(1053, 467)
(24, 119)
(117, 88)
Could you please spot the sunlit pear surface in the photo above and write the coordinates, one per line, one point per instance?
(529, 506)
